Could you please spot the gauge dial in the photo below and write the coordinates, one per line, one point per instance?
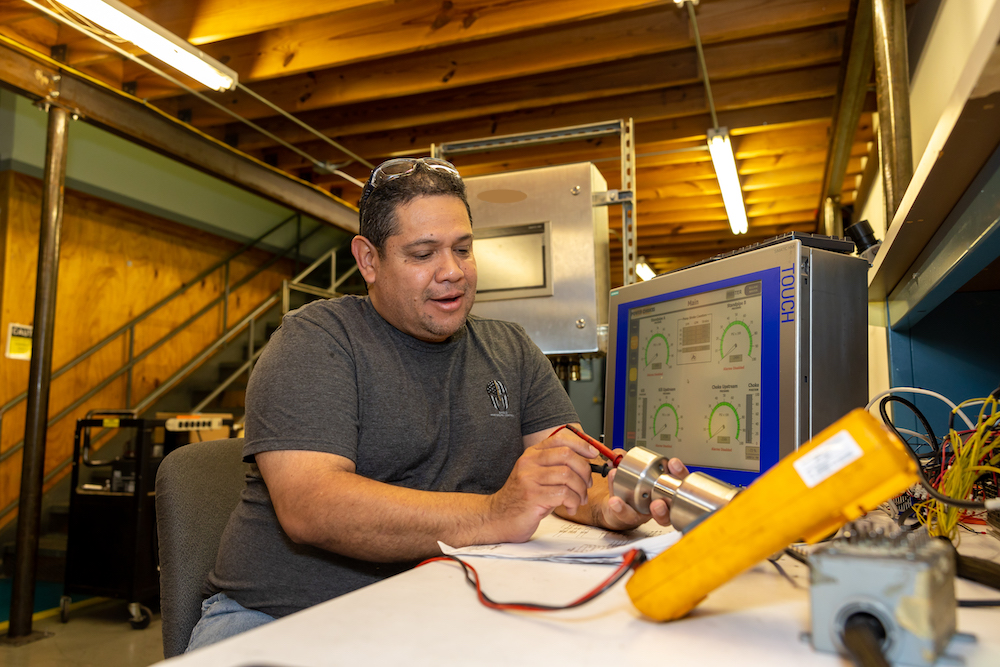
(737, 339)
(657, 350)
(724, 423)
(666, 422)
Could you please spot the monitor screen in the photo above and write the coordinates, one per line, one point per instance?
(693, 369)
(513, 262)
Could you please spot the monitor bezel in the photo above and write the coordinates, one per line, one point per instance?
(770, 362)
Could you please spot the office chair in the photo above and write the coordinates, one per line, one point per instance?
(197, 487)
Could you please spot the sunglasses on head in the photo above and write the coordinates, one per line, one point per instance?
(403, 166)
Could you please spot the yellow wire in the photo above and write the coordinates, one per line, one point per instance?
(961, 475)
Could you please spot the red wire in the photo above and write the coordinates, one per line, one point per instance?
(627, 563)
(600, 446)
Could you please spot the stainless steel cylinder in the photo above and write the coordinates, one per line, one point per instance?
(642, 477)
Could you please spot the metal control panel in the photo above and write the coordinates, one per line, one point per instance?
(541, 247)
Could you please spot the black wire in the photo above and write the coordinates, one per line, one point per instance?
(782, 572)
(863, 635)
(979, 603)
(802, 558)
(602, 469)
(916, 413)
(931, 491)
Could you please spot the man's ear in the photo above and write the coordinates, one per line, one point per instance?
(366, 256)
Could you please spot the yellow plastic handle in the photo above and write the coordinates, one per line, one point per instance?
(848, 469)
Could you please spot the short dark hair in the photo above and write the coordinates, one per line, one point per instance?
(378, 211)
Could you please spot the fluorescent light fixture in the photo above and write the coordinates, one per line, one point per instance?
(643, 270)
(133, 27)
(729, 180)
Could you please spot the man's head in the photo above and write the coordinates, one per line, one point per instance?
(415, 247)
(397, 182)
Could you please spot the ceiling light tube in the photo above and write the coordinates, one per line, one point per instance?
(729, 180)
(644, 270)
(132, 26)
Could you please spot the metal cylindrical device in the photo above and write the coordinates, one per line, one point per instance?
(643, 477)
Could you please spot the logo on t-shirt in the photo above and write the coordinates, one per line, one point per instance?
(498, 396)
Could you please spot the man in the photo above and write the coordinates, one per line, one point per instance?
(378, 426)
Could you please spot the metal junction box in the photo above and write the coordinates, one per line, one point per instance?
(542, 254)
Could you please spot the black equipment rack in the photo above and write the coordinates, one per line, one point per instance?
(111, 549)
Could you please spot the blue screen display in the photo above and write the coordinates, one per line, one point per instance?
(697, 375)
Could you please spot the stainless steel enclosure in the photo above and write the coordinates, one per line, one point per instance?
(549, 215)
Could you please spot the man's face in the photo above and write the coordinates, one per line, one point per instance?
(425, 284)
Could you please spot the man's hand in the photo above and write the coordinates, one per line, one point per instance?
(614, 513)
(552, 473)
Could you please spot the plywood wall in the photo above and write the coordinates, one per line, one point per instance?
(115, 263)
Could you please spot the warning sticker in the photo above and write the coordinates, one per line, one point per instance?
(19, 341)
(828, 458)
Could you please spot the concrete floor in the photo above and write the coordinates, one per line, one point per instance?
(95, 636)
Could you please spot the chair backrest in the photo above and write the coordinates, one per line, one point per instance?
(197, 487)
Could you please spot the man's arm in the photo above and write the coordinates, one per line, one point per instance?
(321, 501)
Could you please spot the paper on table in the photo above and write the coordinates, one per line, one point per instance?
(564, 541)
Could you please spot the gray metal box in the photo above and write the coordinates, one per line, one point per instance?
(542, 251)
(907, 584)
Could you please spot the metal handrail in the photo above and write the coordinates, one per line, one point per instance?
(167, 385)
(293, 284)
(83, 356)
(127, 368)
(249, 321)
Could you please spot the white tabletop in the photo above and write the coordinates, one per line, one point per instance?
(430, 616)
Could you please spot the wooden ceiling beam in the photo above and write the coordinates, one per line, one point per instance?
(797, 85)
(37, 34)
(375, 33)
(603, 104)
(493, 85)
(381, 32)
(716, 243)
(648, 228)
(658, 135)
(205, 21)
(803, 205)
(662, 245)
(754, 197)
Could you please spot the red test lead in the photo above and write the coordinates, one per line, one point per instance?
(601, 447)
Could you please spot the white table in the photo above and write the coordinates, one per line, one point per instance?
(430, 616)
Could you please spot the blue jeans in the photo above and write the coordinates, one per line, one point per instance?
(222, 618)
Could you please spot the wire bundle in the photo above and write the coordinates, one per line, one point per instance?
(973, 458)
(965, 465)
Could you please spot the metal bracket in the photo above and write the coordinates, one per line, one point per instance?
(612, 197)
(52, 95)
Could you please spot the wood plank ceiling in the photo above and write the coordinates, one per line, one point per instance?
(388, 78)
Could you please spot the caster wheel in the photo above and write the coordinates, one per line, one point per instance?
(145, 616)
(64, 603)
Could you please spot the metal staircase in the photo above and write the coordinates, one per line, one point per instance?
(240, 341)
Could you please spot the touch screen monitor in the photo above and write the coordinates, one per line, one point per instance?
(711, 364)
(695, 376)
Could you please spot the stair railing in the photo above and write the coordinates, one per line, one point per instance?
(287, 287)
(134, 359)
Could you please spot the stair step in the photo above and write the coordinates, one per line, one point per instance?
(227, 369)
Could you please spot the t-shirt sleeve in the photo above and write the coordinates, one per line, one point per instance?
(546, 403)
(302, 394)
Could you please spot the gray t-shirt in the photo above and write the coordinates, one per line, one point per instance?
(338, 378)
